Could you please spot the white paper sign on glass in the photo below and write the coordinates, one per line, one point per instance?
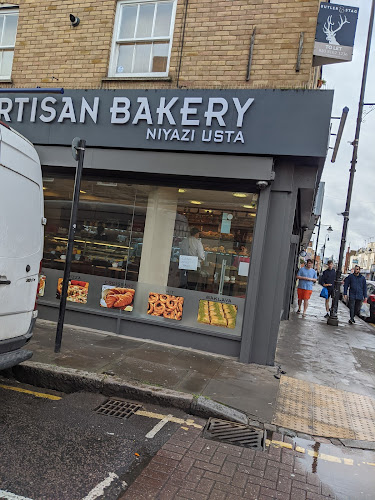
(243, 269)
(188, 262)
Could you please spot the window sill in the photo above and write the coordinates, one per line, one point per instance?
(6, 80)
(136, 78)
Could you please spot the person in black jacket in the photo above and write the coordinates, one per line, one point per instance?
(328, 281)
(356, 283)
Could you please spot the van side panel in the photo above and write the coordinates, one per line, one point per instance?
(21, 226)
(21, 233)
(14, 325)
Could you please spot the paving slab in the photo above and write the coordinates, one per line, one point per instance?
(148, 372)
(194, 383)
(257, 400)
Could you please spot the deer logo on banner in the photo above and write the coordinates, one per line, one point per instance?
(330, 33)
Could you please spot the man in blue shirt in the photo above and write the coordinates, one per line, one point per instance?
(356, 283)
(307, 277)
(328, 280)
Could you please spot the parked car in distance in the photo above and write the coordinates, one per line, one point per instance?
(368, 306)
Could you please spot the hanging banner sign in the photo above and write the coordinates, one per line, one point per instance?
(335, 33)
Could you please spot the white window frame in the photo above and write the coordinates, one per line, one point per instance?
(116, 42)
(4, 10)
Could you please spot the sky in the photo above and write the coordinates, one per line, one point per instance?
(345, 79)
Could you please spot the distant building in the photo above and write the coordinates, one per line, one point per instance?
(349, 254)
(365, 258)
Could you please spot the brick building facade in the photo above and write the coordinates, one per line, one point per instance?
(210, 48)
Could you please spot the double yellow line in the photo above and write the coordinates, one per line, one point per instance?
(315, 454)
(33, 393)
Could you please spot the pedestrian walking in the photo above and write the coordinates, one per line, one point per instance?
(356, 283)
(328, 280)
(307, 277)
(193, 247)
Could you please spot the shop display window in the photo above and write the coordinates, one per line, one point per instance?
(174, 256)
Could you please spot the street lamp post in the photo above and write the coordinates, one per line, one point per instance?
(317, 238)
(325, 241)
(333, 319)
(316, 246)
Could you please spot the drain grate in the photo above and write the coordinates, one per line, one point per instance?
(117, 408)
(233, 433)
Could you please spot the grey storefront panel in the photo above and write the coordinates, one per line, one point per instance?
(277, 123)
(187, 164)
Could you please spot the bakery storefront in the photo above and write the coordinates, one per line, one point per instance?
(192, 207)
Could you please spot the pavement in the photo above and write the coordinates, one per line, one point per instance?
(319, 363)
(189, 466)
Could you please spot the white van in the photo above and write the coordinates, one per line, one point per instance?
(21, 243)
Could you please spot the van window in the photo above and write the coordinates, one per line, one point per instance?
(20, 215)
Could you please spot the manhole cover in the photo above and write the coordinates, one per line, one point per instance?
(233, 433)
(117, 408)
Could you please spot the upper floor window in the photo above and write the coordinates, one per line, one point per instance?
(142, 38)
(8, 30)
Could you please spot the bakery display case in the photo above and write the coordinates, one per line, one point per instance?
(220, 271)
(102, 258)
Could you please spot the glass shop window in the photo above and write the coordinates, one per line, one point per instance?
(164, 254)
(110, 225)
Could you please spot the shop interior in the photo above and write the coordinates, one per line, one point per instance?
(138, 232)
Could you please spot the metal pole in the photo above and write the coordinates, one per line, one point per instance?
(317, 240)
(343, 118)
(69, 252)
(324, 250)
(333, 319)
(32, 91)
(251, 50)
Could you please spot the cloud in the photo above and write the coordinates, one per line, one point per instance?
(345, 80)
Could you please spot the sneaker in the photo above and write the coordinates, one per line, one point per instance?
(350, 322)
(327, 315)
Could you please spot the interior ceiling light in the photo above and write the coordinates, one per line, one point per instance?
(83, 192)
(44, 187)
(252, 215)
(195, 202)
(110, 184)
(240, 195)
(247, 206)
(182, 190)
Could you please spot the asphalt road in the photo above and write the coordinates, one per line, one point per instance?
(62, 449)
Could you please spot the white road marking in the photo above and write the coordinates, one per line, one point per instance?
(11, 496)
(99, 488)
(160, 416)
(157, 427)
